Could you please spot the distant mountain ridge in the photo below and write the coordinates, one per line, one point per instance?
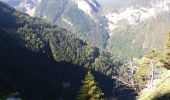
(114, 26)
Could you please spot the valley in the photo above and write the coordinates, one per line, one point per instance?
(84, 49)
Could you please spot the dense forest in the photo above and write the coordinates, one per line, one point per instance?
(41, 61)
(36, 35)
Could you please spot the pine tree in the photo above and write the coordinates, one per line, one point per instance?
(167, 52)
(89, 89)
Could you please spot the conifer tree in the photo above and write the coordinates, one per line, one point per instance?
(89, 89)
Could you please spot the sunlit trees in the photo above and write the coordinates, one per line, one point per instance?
(89, 89)
(149, 69)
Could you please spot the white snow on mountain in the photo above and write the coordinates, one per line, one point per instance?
(136, 14)
(84, 6)
(87, 6)
(133, 12)
(94, 3)
(67, 21)
(27, 6)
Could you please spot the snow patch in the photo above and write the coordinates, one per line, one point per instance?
(94, 3)
(44, 17)
(133, 41)
(27, 6)
(84, 6)
(87, 6)
(31, 12)
(68, 22)
(30, 6)
(134, 15)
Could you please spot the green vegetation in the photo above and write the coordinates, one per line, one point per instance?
(68, 16)
(44, 62)
(129, 41)
(34, 75)
(13, 95)
(66, 47)
(39, 60)
(153, 75)
(37, 35)
(149, 69)
(161, 90)
(89, 89)
(38, 76)
(166, 60)
(149, 75)
(126, 40)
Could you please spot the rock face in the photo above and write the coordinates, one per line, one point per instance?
(132, 26)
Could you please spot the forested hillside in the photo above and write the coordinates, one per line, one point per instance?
(40, 61)
(116, 26)
(68, 15)
(34, 75)
(36, 35)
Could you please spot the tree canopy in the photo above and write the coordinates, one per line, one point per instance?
(89, 89)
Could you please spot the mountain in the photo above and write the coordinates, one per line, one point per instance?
(27, 6)
(44, 61)
(115, 26)
(77, 16)
(27, 59)
(70, 16)
(41, 60)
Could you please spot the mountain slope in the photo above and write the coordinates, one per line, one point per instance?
(36, 34)
(77, 16)
(28, 49)
(42, 61)
(34, 75)
(115, 26)
(27, 61)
